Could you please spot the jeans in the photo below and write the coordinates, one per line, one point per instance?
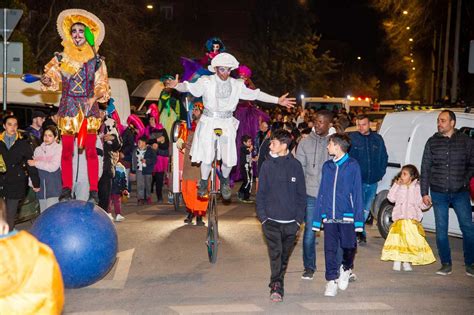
(309, 237)
(368, 195)
(462, 207)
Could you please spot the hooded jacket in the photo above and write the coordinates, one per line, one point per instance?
(340, 194)
(312, 153)
(281, 192)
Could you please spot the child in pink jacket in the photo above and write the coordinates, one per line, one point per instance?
(47, 159)
(406, 243)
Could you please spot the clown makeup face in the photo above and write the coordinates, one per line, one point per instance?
(77, 34)
(223, 72)
(216, 48)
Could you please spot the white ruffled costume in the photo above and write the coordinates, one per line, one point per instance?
(220, 100)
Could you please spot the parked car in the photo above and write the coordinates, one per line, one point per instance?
(405, 135)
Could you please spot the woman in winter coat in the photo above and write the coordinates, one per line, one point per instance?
(15, 151)
(47, 159)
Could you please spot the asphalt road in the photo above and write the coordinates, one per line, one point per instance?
(162, 268)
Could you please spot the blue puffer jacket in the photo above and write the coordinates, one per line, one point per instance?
(371, 154)
(340, 194)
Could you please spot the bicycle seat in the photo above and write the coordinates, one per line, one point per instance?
(218, 132)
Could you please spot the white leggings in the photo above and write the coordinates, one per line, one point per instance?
(206, 170)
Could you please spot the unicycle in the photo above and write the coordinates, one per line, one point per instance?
(212, 240)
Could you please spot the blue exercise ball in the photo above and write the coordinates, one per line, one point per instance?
(83, 239)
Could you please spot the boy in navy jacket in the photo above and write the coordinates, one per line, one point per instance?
(281, 203)
(340, 208)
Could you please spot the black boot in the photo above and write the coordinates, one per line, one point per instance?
(199, 221)
(93, 197)
(65, 194)
(202, 188)
(189, 218)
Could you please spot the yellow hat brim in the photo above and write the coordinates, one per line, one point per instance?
(67, 18)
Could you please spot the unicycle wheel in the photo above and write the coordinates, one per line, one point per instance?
(212, 241)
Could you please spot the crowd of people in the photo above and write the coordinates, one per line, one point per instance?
(307, 169)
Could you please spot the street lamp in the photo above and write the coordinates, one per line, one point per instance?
(411, 39)
(359, 58)
(413, 68)
(408, 27)
(149, 6)
(405, 12)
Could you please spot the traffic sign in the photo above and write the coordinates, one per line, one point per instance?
(12, 17)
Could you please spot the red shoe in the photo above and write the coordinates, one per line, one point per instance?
(148, 201)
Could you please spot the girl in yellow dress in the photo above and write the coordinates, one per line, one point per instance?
(406, 243)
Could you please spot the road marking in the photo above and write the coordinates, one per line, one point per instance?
(124, 261)
(356, 306)
(216, 308)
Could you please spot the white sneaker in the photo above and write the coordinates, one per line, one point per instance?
(407, 266)
(331, 288)
(397, 265)
(110, 216)
(119, 218)
(343, 281)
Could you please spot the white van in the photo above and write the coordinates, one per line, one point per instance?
(23, 97)
(405, 135)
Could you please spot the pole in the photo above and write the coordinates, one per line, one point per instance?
(454, 81)
(4, 59)
(446, 53)
(438, 67)
(433, 68)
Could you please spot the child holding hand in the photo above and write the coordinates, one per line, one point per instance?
(406, 243)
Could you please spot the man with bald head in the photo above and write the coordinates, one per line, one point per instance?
(446, 169)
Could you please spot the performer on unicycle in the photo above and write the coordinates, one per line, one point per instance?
(220, 94)
(84, 79)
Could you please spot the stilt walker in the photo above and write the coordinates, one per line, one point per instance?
(83, 75)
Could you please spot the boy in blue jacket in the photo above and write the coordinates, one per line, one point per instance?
(340, 208)
(281, 203)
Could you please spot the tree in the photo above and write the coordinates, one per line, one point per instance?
(283, 49)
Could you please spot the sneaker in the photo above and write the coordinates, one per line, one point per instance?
(199, 221)
(245, 200)
(93, 197)
(397, 265)
(470, 270)
(276, 292)
(226, 191)
(202, 188)
(352, 277)
(446, 269)
(407, 266)
(148, 201)
(66, 194)
(119, 218)
(307, 274)
(110, 216)
(170, 198)
(189, 219)
(361, 238)
(331, 288)
(276, 297)
(343, 281)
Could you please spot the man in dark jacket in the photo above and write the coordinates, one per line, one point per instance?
(281, 203)
(368, 148)
(128, 139)
(446, 169)
(15, 151)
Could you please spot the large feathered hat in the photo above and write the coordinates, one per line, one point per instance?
(67, 18)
